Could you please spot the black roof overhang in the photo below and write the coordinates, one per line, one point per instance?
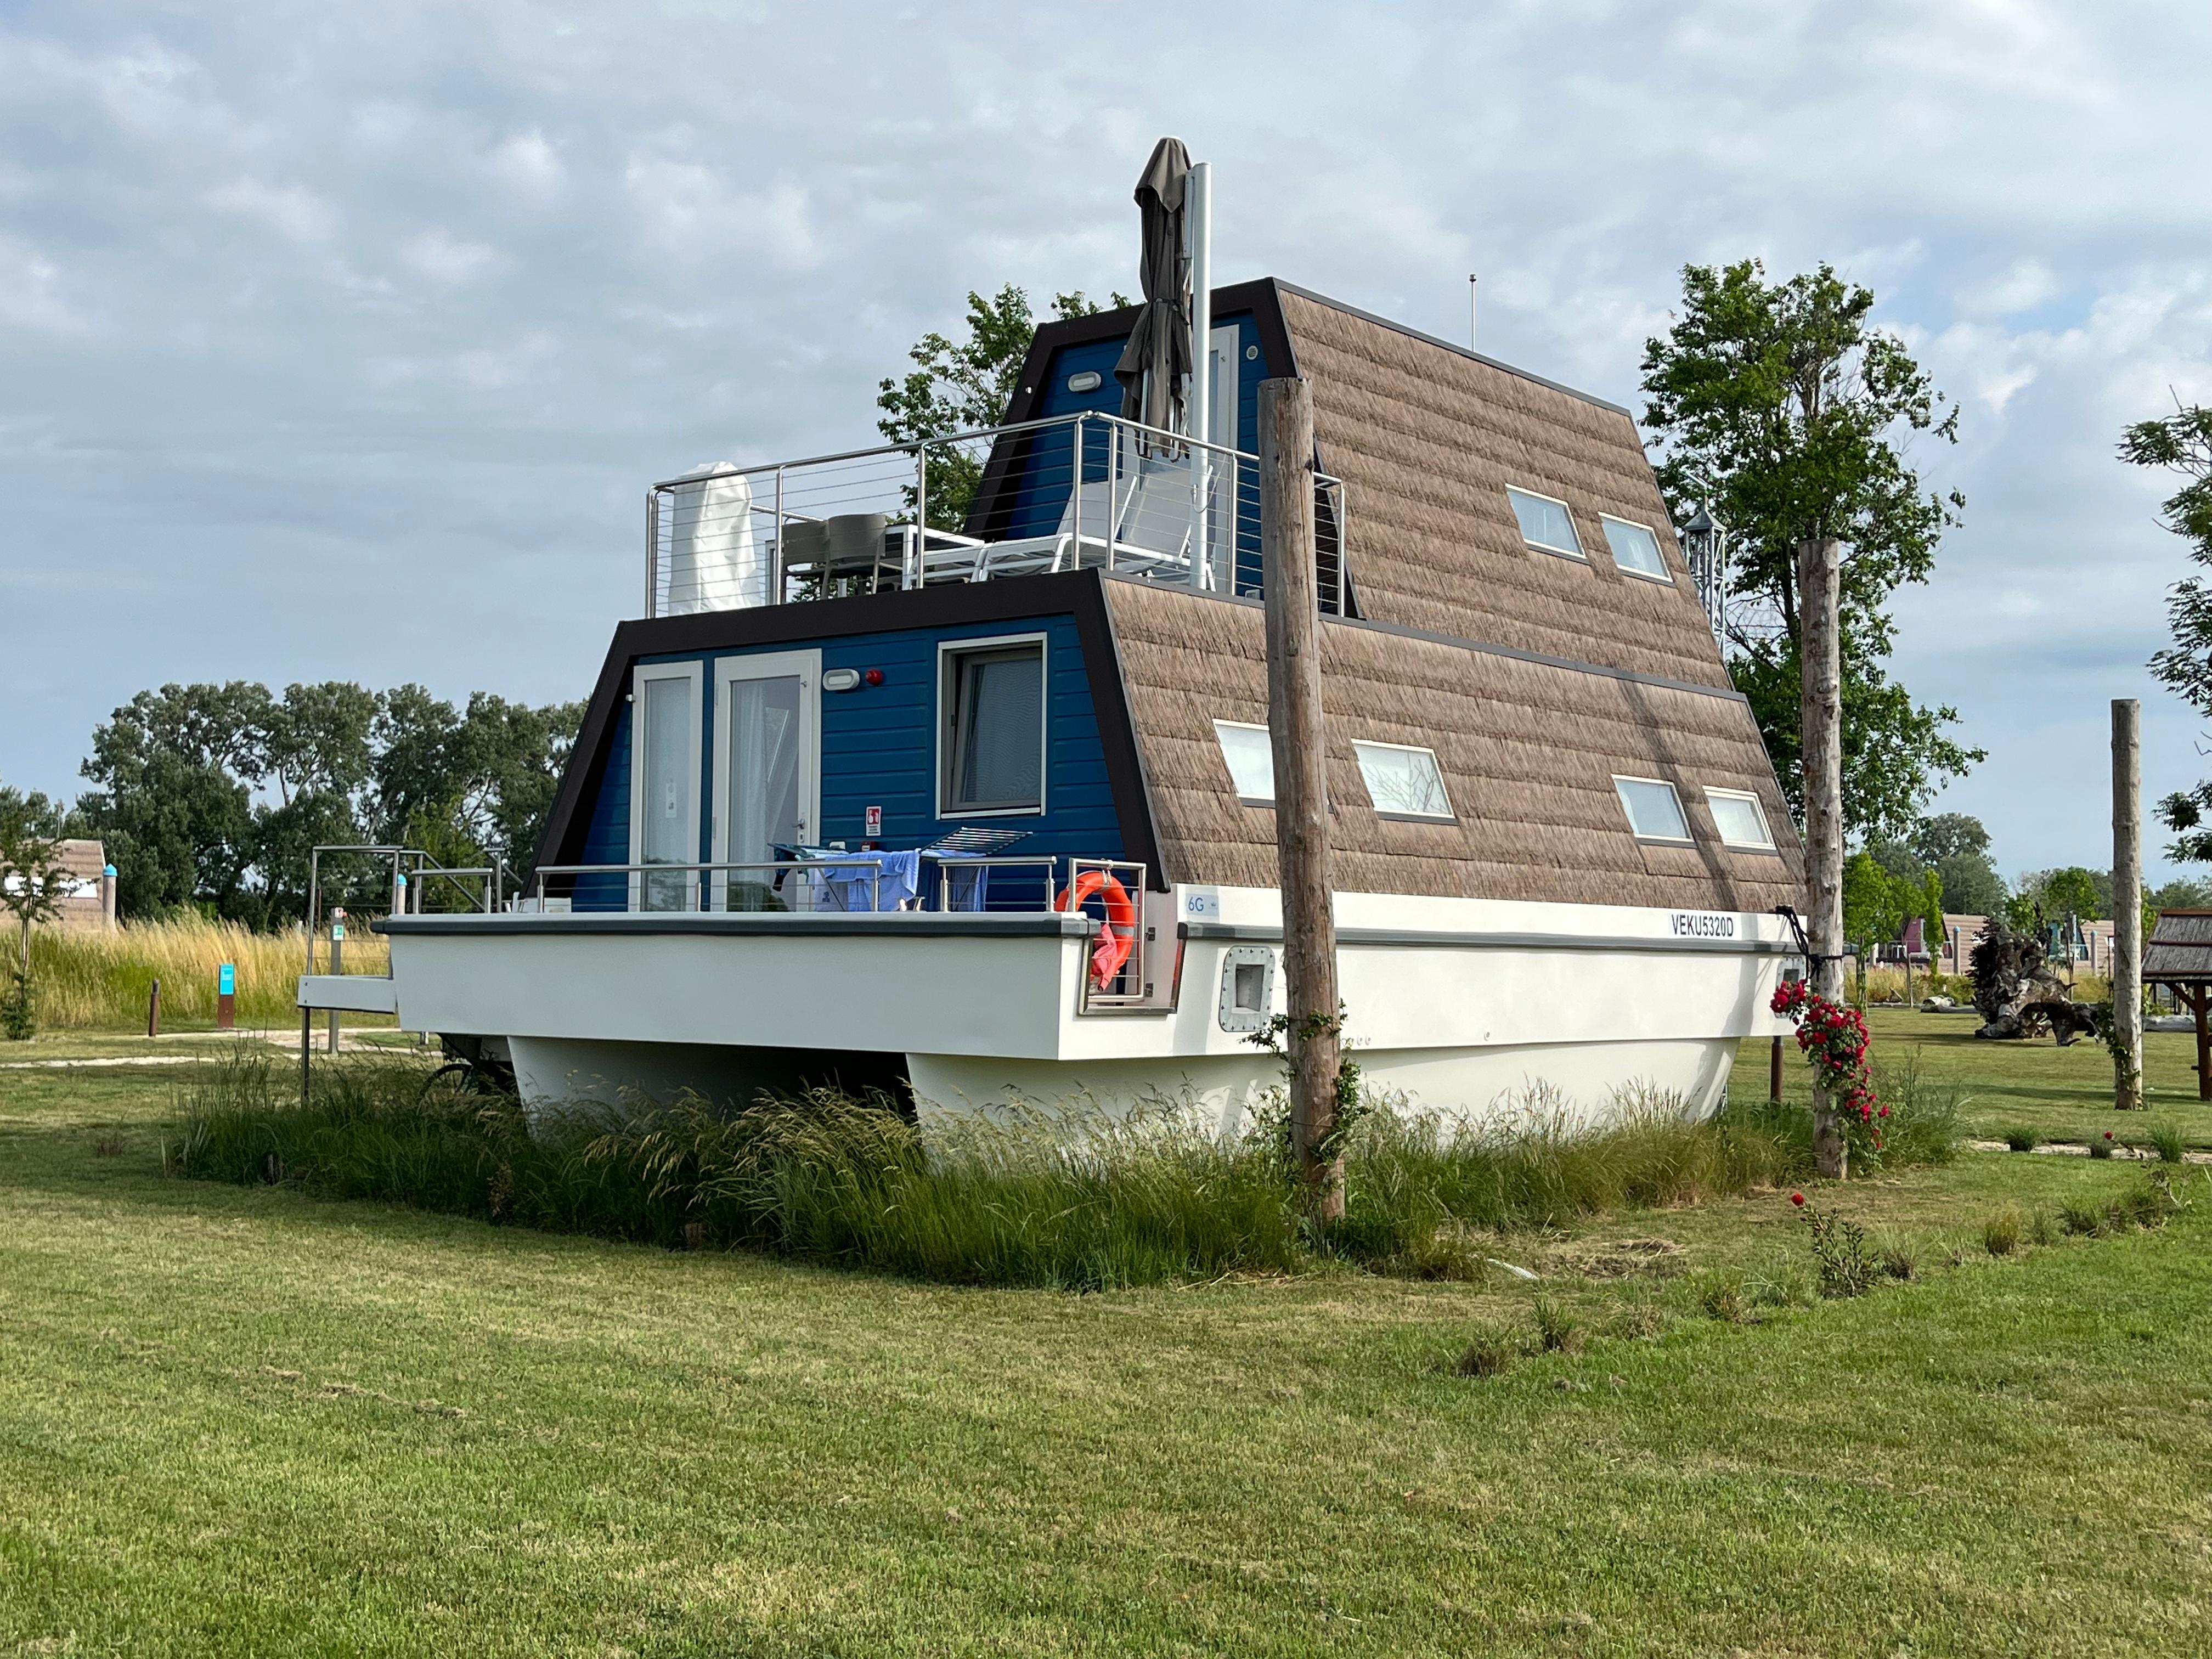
(1077, 594)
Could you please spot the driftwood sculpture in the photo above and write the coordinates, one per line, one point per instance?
(2016, 992)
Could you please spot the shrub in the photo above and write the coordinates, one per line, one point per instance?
(2167, 1140)
(1848, 1266)
(1899, 1259)
(2022, 1138)
(2001, 1233)
(1923, 1125)
(2081, 1220)
(19, 1007)
(2151, 1202)
(2101, 1145)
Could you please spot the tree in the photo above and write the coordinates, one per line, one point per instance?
(32, 885)
(964, 387)
(1957, 849)
(1778, 405)
(2073, 890)
(2182, 442)
(1880, 899)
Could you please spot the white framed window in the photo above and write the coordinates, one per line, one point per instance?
(991, 727)
(1740, 818)
(1403, 782)
(1655, 811)
(1635, 549)
(1251, 755)
(1546, 523)
(665, 767)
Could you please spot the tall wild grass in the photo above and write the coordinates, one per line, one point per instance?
(1075, 1200)
(92, 977)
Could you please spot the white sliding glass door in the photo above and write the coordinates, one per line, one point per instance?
(767, 774)
(665, 775)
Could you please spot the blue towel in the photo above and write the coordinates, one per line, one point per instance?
(851, 880)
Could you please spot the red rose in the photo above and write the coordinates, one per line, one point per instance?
(1798, 1199)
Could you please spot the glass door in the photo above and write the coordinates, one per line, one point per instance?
(768, 783)
(664, 784)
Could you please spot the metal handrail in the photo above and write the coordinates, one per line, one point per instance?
(840, 862)
(422, 865)
(1198, 552)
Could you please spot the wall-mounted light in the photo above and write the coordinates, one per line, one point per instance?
(1089, 381)
(842, 680)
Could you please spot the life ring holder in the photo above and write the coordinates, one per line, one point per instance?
(1118, 935)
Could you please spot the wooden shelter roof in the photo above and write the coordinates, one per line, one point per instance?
(2179, 949)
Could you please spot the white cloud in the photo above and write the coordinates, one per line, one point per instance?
(31, 293)
(529, 166)
(288, 209)
(446, 259)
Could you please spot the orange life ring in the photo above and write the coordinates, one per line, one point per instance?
(1118, 935)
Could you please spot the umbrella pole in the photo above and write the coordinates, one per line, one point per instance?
(1198, 224)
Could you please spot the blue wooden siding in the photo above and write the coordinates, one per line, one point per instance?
(607, 836)
(1040, 498)
(879, 748)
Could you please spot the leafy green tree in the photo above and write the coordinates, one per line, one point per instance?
(965, 386)
(171, 799)
(1880, 900)
(2182, 442)
(32, 886)
(2073, 890)
(2180, 894)
(1783, 409)
(1957, 849)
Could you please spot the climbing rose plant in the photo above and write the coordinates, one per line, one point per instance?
(1834, 1039)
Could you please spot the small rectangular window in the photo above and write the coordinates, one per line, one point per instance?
(1250, 753)
(1655, 811)
(994, 758)
(1546, 523)
(1403, 782)
(1635, 549)
(1740, 818)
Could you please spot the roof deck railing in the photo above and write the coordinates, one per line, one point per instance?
(1074, 492)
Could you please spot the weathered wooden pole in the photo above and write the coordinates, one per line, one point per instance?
(1300, 744)
(1820, 711)
(2127, 904)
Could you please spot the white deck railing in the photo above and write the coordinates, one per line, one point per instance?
(1077, 491)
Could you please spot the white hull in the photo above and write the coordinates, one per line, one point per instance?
(1456, 1004)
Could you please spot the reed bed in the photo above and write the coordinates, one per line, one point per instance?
(1074, 1199)
(90, 977)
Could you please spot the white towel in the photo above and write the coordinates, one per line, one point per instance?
(713, 562)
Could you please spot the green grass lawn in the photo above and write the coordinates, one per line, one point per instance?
(240, 1420)
(2063, 1094)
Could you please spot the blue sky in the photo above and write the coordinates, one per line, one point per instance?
(343, 341)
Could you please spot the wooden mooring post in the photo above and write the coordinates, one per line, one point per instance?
(1299, 740)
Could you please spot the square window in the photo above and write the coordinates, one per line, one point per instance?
(1250, 753)
(1635, 549)
(994, 755)
(1546, 523)
(1740, 818)
(1403, 782)
(1655, 811)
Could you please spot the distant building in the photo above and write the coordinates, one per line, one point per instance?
(88, 898)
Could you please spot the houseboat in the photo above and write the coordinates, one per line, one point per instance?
(944, 770)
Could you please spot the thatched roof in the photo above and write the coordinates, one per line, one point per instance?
(1427, 437)
(2179, 947)
(1528, 750)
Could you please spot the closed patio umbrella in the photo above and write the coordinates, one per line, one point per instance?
(1158, 357)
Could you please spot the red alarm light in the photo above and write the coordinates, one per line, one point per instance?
(874, 677)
